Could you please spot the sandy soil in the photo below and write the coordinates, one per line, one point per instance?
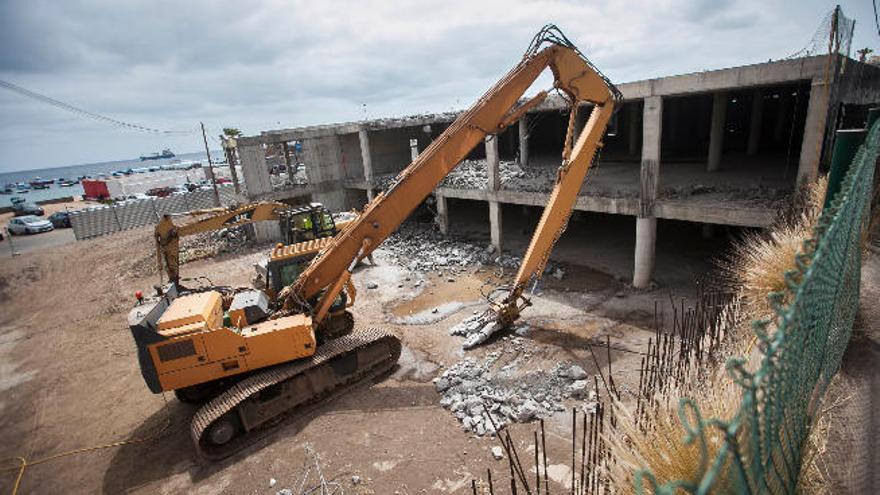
(69, 378)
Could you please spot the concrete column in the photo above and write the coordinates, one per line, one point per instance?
(757, 117)
(442, 214)
(287, 164)
(367, 159)
(646, 222)
(413, 149)
(646, 238)
(256, 180)
(492, 163)
(814, 132)
(523, 128)
(716, 132)
(633, 128)
(254, 169)
(495, 224)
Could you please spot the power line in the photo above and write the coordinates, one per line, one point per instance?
(84, 113)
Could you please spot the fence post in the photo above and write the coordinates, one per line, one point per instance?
(846, 145)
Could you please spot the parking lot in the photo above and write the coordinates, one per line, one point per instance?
(33, 242)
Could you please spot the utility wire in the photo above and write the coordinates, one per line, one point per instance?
(84, 113)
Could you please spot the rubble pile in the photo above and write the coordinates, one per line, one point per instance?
(468, 385)
(473, 174)
(208, 244)
(425, 249)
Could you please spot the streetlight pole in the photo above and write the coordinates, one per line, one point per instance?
(210, 167)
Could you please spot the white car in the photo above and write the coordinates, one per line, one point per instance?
(29, 224)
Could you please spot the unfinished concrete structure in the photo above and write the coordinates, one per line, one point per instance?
(721, 147)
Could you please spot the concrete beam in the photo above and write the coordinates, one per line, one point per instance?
(755, 120)
(495, 224)
(493, 163)
(523, 130)
(814, 133)
(367, 160)
(442, 218)
(716, 131)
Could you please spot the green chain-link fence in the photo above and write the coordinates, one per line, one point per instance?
(802, 350)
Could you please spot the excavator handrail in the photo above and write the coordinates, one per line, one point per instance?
(573, 75)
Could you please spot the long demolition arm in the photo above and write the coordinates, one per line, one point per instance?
(168, 234)
(494, 111)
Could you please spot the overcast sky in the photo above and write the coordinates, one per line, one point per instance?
(260, 65)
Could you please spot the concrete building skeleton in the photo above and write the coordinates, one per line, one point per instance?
(720, 147)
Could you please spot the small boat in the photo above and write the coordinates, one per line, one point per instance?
(22, 187)
(66, 183)
(166, 153)
(38, 182)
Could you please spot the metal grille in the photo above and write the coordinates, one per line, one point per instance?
(176, 350)
(764, 440)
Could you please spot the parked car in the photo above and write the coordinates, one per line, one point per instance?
(60, 219)
(27, 209)
(29, 224)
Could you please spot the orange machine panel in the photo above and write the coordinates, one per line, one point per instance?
(275, 341)
(224, 352)
(201, 307)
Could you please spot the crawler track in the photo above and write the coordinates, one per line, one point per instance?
(255, 403)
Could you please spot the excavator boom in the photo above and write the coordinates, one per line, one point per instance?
(495, 110)
(168, 234)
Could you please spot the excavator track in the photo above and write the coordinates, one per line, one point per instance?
(246, 411)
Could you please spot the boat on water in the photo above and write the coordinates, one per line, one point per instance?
(166, 153)
(22, 187)
(39, 183)
(66, 183)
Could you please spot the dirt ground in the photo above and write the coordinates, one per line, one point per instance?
(69, 378)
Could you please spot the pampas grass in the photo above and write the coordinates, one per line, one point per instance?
(755, 268)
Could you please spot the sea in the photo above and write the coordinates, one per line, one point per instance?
(74, 171)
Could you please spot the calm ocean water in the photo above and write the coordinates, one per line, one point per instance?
(74, 171)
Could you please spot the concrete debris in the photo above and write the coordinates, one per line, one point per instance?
(372, 285)
(421, 248)
(355, 480)
(497, 453)
(509, 395)
(208, 244)
(272, 482)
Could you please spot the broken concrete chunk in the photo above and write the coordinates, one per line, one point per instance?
(576, 373)
(497, 453)
(372, 285)
(355, 480)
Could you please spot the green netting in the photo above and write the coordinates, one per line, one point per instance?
(802, 350)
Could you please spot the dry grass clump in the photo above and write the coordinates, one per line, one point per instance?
(658, 444)
(757, 263)
(755, 268)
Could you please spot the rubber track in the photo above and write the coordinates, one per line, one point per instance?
(246, 388)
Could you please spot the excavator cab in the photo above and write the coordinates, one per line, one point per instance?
(307, 223)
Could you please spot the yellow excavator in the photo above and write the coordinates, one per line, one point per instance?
(305, 231)
(250, 360)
